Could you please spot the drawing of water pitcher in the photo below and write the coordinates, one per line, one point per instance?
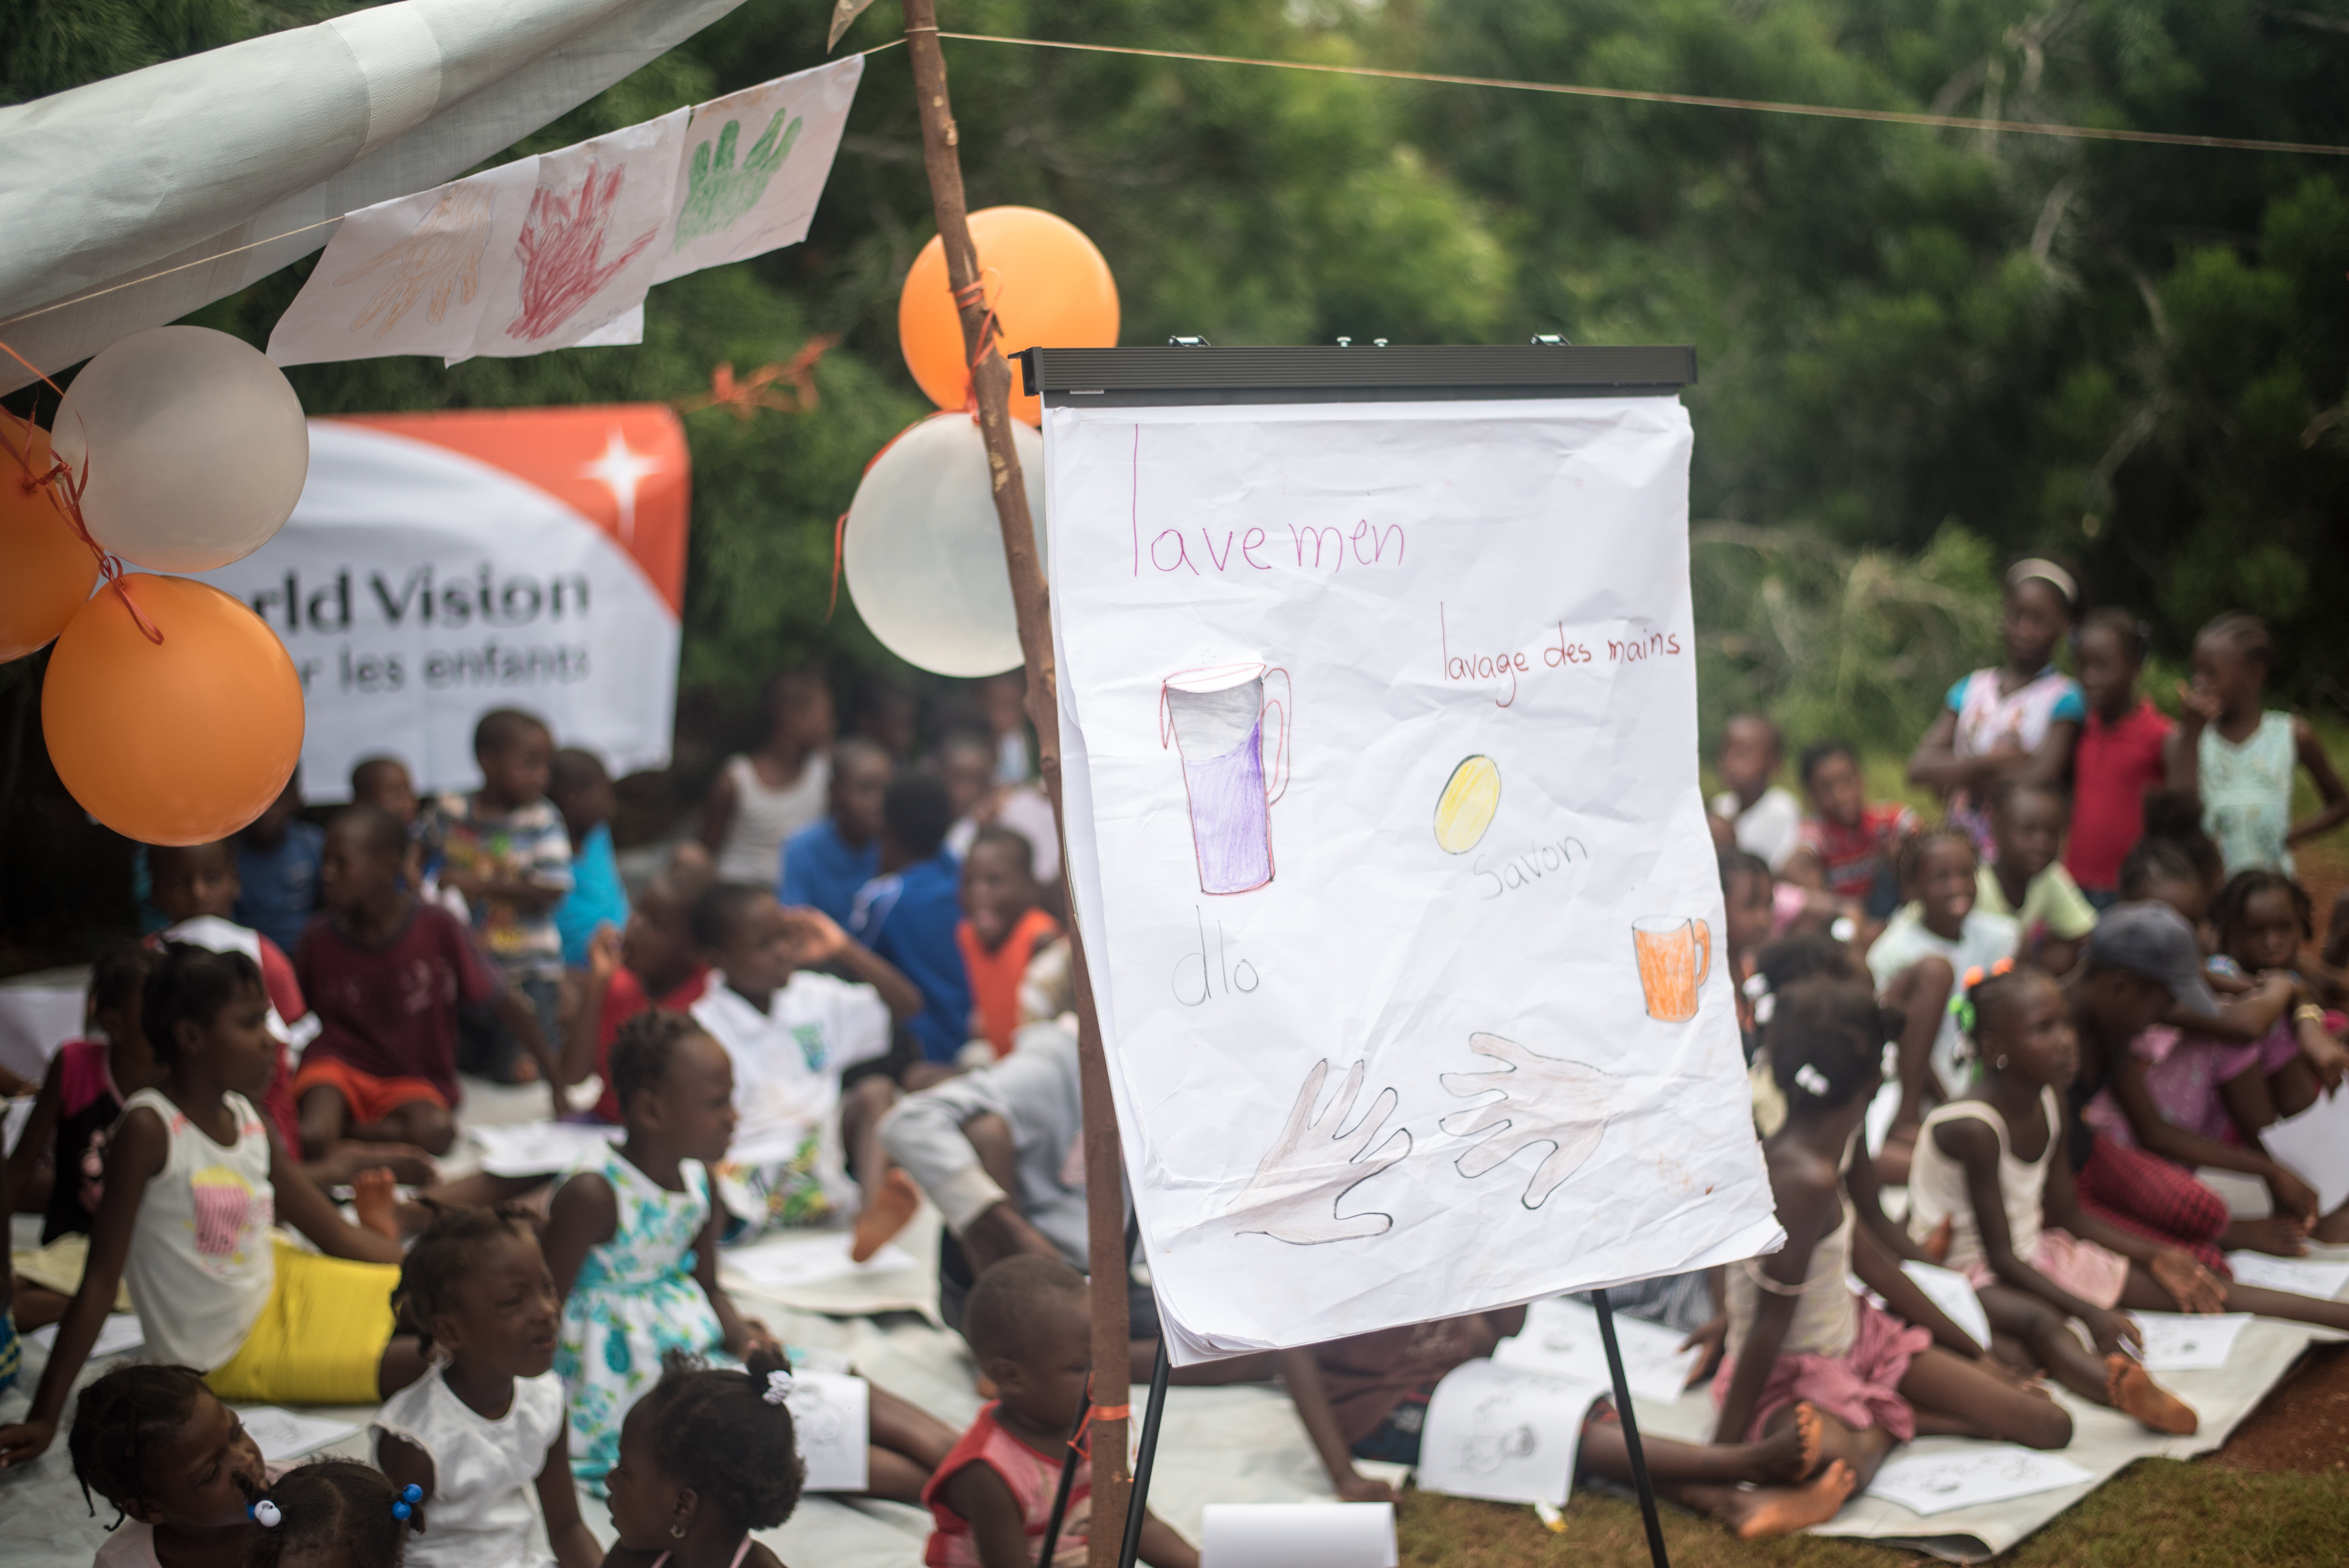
(1214, 717)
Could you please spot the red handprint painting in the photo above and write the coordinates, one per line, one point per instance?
(562, 251)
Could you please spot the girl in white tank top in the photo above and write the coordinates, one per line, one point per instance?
(747, 820)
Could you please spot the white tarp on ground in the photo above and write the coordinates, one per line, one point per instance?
(198, 157)
(1386, 838)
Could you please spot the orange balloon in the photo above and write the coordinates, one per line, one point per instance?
(49, 570)
(1046, 282)
(179, 742)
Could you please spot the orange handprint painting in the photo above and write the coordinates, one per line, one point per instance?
(439, 259)
(562, 251)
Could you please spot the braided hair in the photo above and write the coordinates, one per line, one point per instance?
(729, 1434)
(334, 1511)
(1920, 843)
(118, 1419)
(641, 1049)
(1826, 1039)
(430, 1273)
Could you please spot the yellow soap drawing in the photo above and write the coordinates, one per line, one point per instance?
(1466, 808)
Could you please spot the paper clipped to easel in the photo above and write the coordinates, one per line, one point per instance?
(1505, 1433)
(1380, 733)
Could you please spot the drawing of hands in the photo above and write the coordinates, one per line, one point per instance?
(442, 255)
(562, 251)
(717, 191)
(1544, 1101)
(1308, 1172)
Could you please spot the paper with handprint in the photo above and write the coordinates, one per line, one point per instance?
(1306, 1174)
(1504, 581)
(1545, 1103)
(755, 163)
(589, 242)
(409, 276)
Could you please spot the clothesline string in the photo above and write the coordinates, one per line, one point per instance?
(1630, 95)
(1694, 100)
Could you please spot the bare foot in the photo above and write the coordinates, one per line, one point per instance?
(1836, 1442)
(2134, 1393)
(1787, 1452)
(1782, 1510)
(1935, 1245)
(886, 1213)
(2276, 1233)
(377, 1204)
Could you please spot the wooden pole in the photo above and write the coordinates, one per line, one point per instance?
(992, 387)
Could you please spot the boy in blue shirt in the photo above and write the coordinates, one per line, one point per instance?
(277, 869)
(824, 866)
(908, 914)
(582, 791)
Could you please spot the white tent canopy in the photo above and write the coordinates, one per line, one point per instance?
(230, 164)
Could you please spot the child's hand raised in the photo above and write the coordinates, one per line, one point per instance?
(815, 938)
(2201, 705)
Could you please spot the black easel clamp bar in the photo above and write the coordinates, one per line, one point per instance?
(1130, 376)
(1630, 1431)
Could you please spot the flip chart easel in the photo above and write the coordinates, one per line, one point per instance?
(1196, 374)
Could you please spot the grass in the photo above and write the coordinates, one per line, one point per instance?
(2158, 1514)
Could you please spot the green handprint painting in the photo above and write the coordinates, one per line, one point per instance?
(718, 191)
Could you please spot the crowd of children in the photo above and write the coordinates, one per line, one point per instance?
(2040, 1015)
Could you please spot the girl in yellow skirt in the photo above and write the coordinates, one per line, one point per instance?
(193, 1185)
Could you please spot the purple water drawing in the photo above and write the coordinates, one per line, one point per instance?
(1215, 717)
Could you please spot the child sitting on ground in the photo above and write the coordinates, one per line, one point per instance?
(386, 972)
(1991, 1170)
(2123, 752)
(504, 847)
(825, 865)
(333, 1513)
(2241, 758)
(706, 1458)
(193, 1182)
(653, 962)
(176, 1463)
(1765, 815)
(1848, 847)
(485, 1421)
(760, 799)
(794, 1034)
(583, 793)
(908, 914)
(1934, 938)
(2025, 881)
(630, 1293)
(1995, 1164)
(276, 869)
(1367, 1398)
(1001, 930)
(1029, 1326)
(73, 1116)
(1797, 1333)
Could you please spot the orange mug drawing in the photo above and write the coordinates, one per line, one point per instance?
(1670, 973)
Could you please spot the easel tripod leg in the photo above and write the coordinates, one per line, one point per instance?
(1630, 1431)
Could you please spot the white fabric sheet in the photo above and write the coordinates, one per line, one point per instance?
(181, 164)
(1403, 931)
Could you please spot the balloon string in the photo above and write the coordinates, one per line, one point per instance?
(65, 487)
(839, 536)
(989, 326)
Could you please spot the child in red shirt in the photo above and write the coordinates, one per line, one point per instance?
(1001, 931)
(2123, 752)
(1848, 846)
(654, 962)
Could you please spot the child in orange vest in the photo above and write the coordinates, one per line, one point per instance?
(1001, 930)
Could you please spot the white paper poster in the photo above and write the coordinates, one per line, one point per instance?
(755, 163)
(410, 277)
(1381, 765)
(1504, 1433)
(831, 1419)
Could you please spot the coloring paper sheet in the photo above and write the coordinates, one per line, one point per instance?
(1561, 1337)
(541, 1148)
(1954, 1294)
(410, 277)
(2302, 1276)
(2315, 1145)
(120, 1334)
(2189, 1341)
(283, 1435)
(1380, 757)
(1936, 1482)
(755, 162)
(1504, 1433)
(589, 241)
(831, 1417)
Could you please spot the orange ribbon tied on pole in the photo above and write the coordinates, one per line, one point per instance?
(1042, 282)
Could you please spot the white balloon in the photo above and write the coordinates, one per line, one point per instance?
(195, 445)
(924, 552)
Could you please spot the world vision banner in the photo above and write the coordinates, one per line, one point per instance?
(441, 565)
